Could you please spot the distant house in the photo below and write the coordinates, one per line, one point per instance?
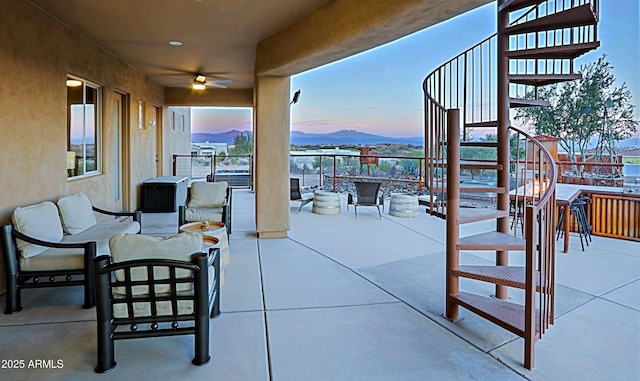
(301, 158)
(208, 149)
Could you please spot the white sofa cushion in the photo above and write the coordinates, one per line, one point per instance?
(40, 221)
(76, 213)
(127, 247)
(207, 195)
(65, 259)
(54, 259)
(101, 232)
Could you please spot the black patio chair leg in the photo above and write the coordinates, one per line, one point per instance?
(576, 215)
(560, 225)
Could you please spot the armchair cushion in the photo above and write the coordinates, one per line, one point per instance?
(207, 195)
(40, 221)
(203, 214)
(127, 247)
(76, 213)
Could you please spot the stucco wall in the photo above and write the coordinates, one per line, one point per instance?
(36, 54)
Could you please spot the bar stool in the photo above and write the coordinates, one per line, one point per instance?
(585, 221)
(577, 213)
(516, 213)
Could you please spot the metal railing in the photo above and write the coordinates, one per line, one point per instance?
(334, 172)
(338, 171)
(468, 81)
(237, 170)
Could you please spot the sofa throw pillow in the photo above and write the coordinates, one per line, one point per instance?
(207, 195)
(76, 213)
(127, 247)
(40, 221)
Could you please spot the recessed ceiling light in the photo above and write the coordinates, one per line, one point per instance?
(175, 43)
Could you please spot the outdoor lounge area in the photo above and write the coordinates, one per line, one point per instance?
(351, 299)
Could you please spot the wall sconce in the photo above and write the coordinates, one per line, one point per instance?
(71, 163)
(296, 97)
(73, 83)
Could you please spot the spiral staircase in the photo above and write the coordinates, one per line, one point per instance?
(536, 44)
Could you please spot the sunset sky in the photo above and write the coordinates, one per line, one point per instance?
(379, 91)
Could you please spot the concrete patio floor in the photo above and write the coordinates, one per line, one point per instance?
(353, 299)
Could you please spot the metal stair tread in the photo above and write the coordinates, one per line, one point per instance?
(542, 79)
(510, 276)
(472, 164)
(521, 102)
(511, 5)
(491, 241)
(509, 316)
(581, 15)
(568, 51)
(477, 143)
(469, 215)
(474, 189)
(487, 124)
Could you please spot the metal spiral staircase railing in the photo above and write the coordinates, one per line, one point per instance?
(536, 43)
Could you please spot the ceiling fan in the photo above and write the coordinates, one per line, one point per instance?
(200, 82)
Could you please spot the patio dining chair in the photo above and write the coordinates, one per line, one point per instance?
(367, 194)
(296, 193)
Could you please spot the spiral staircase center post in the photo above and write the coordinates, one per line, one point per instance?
(502, 224)
(453, 207)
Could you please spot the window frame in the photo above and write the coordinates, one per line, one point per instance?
(98, 129)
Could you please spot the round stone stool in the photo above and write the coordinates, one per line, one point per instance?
(403, 205)
(326, 203)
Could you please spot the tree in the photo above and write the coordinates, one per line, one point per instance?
(578, 113)
(242, 145)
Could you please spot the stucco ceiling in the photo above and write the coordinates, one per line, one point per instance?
(219, 36)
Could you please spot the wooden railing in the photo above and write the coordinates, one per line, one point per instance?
(616, 216)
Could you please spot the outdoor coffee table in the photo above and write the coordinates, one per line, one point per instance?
(212, 229)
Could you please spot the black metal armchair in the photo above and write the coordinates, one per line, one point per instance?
(170, 294)
(367, 194)
(210, 201)
(296, 194)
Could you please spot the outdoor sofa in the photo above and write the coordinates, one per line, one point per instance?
(53, 245)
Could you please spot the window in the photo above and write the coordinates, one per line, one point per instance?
(84, 116)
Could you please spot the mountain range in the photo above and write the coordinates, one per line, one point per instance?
(342, 137)
(353, 137)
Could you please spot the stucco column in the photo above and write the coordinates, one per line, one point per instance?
(271, 156)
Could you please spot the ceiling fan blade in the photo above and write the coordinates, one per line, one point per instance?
(218, 85)
(221, 81)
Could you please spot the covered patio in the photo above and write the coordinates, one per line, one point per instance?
(353, 299)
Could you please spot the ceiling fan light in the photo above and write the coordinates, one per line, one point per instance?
(198, 85)
(200, 78)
